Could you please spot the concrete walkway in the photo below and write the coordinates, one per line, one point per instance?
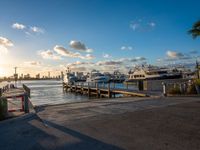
(124, 123)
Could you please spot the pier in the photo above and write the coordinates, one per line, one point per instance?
(15, 101)
(108, 90)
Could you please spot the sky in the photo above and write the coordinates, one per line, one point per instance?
(39, 36)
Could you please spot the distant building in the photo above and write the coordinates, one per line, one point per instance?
(49, 75)
(27, 76)
(37, 76)
(62, 75)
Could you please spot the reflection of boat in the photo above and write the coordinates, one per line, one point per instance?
(69, 77)
(152, 73)
(96, 76)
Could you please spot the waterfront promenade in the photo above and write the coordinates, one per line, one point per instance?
(123, 123)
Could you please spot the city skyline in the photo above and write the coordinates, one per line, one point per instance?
(49, 36)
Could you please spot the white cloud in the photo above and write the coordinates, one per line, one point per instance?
(48, 54)
(28, 30)
(110, 62)
(32, 63)
(4, 44)
(36, 29)
(88, 56)
(134, 26)
(126, 48)
(140, 58)
(152, 24)
(135, 59)
(18, 26)
(142, 25)
(64, 52)
(174, 55)
(79, 46)
(106, 56)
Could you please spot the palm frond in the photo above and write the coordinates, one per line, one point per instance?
(195, 31)
(197, 24)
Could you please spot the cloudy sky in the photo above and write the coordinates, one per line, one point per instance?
(49, 35)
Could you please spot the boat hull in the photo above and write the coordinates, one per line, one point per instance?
(178, 76)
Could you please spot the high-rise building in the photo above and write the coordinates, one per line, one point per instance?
(37, 76)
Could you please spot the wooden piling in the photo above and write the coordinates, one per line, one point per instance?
(89, 90)
(97, 90)
(109, 92)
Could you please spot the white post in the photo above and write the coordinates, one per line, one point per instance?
(164, 88)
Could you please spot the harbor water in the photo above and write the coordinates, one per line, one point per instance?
(49, 92)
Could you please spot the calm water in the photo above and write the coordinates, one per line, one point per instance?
(50, 92)
(45, 92)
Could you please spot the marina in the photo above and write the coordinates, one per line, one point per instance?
(99, 75)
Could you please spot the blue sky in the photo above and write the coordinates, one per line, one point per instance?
(116, 31)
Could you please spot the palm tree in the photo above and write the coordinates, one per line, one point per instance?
(195, 31)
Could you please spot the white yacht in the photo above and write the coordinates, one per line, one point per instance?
(69, 77)
(152, 73)
(118, 77)
(96, 76)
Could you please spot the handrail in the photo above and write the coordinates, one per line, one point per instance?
(27, 90)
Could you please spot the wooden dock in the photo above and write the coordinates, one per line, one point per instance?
(17, 100)
(99, 91)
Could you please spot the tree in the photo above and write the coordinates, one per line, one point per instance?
(195, 31)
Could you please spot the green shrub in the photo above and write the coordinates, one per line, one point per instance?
(197, 82)
(191, 89)
(175, 90)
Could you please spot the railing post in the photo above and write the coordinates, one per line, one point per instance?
(26, 103)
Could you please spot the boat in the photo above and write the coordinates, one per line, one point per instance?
(118, 77)
(69, 77)
(97, 77)
(152, 73)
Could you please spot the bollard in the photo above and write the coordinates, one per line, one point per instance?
(164, 89)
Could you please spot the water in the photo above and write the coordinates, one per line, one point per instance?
(45, 92)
